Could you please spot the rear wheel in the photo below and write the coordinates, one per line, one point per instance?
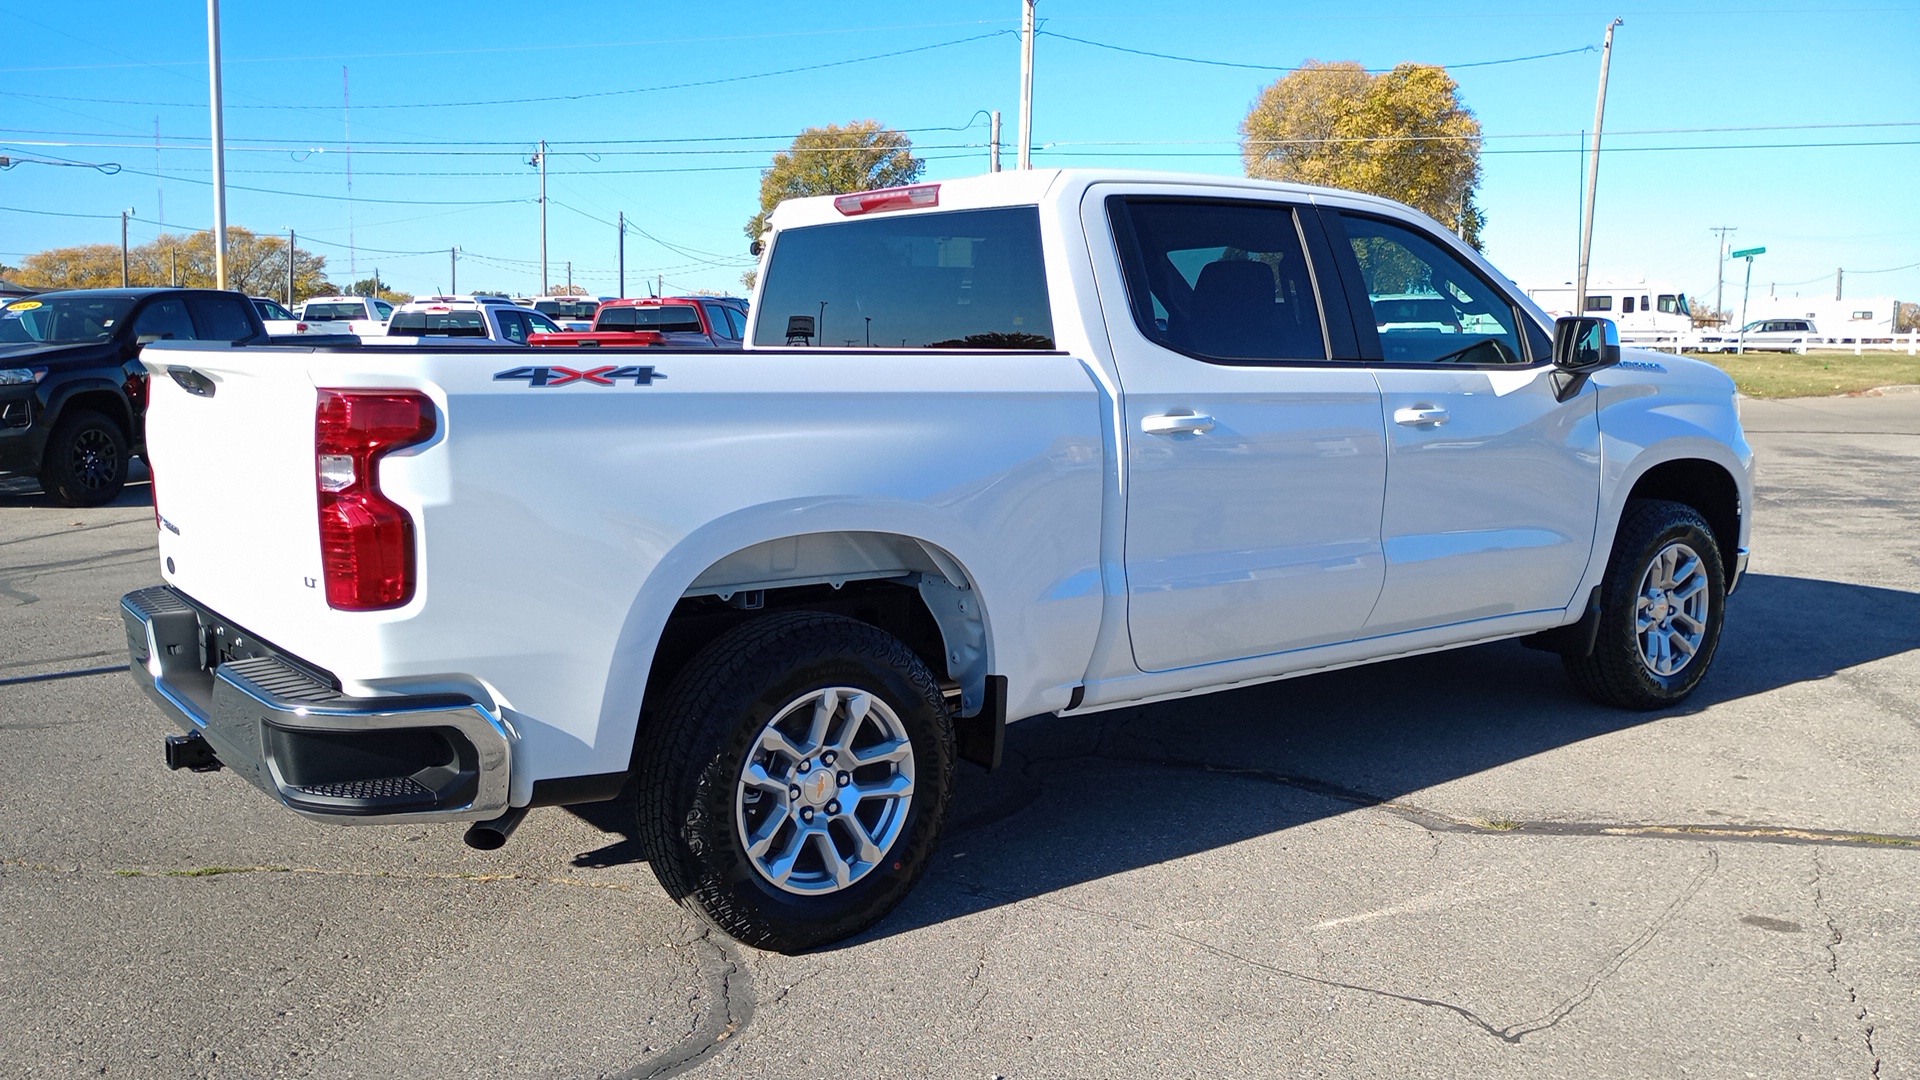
(1662, 605)
(795, 779)
(86, 460)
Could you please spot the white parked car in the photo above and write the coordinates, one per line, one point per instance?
(361, 315)
(571, 312)
(1761, 335)
(1046, 442)
(463, 320)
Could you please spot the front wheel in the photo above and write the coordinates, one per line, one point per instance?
(795, 779)
(1662, 605)
(86, 460)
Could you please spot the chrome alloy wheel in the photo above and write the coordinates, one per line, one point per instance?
(824, 791)
(1670, 617)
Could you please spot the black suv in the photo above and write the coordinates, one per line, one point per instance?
(72, 392)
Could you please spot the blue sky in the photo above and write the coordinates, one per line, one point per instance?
(667, 112)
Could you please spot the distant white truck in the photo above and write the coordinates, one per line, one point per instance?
(463, 320)
(363, 316)
(1058, 442)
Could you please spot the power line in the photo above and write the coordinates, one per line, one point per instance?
(1272, 67)
(537, 100)
(456, 148)
(504, 48)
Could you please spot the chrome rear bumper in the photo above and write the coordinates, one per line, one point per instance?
(293, 735)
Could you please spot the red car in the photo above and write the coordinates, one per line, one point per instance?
(687, 322)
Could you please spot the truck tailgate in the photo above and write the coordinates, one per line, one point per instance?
(230, 439)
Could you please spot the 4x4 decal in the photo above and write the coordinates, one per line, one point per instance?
(611, 374)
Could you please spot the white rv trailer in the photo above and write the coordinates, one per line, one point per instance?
(1650, 315)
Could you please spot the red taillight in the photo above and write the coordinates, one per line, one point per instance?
(366, 540)
(900, 198)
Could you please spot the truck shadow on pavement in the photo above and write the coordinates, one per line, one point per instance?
(1083, 798)
(22, 491)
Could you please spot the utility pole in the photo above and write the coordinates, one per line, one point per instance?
(1720, 288)
(993, 163)
(569, 277)
(1026, 83)
(1839, 277)
(124, 215)
(540, 159)
(1593, 175)
(173, 265)
(659, 284)
(290, 239)
(453, 271)
(623, 253)
(219, 149)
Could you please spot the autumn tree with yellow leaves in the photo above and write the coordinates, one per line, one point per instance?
(1402, 134)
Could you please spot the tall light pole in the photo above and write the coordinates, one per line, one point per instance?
(540, 159)
(1026, 82)
(1593, 174)
(124, 215)
(219, 148)
(290, 239)
(623, 253)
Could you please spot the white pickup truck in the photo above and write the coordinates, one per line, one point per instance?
(1059, 442)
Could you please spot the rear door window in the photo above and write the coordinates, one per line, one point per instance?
(165, 319)
(220, 317)
(1222, 281)
(961, 279)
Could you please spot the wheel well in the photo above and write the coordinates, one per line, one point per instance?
(1702, 485)
(105, 402)
(892, 605)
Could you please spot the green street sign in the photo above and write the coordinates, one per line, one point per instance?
(1748, 253)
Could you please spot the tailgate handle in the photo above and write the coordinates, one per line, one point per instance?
(192, 381)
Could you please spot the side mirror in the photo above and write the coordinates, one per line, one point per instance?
(1585, 344)
(757, 247)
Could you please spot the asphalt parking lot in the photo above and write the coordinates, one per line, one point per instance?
(1450, 866)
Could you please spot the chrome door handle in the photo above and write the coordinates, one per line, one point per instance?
(1176, 424)
(1420, 414)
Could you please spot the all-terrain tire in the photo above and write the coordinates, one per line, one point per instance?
(696, 803)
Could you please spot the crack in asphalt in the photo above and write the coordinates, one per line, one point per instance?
(78, 673)
(728, 988)
(1834, 938)
(1432, 820)
(74, 530)
(6, 665)
(1511, 1034)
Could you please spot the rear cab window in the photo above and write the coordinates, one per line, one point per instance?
(956, 279)
(439, 323)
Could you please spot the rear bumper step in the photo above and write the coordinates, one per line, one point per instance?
(321, 753)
